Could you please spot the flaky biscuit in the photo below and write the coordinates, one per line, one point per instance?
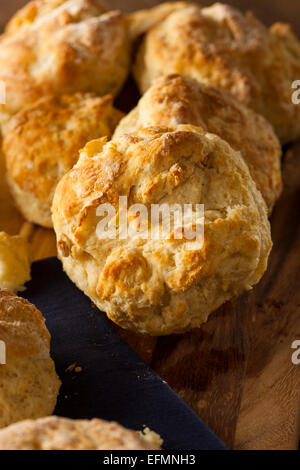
(34, 10)
(15, 262)
(221, 46)
(62, 47)
(54, 433)
(175, 99)
(28, 382)
(162, 286)
(42, 143)
(140, 21)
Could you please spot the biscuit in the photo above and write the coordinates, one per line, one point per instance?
(34, 10)
(149, 284)
(221, 46)
(15, 262)
(28, 382)
(54, 433)
(42, 142)
(176, 99)
(140, 21)
(62, 47)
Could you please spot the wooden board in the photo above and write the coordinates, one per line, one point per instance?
(236, 371)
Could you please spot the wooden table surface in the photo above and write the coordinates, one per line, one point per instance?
(236, 371)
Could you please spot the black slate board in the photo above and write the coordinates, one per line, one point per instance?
(114, 384)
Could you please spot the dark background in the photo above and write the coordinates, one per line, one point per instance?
(268, 11)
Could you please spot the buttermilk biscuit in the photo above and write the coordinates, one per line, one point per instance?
(41, 144)
(36, 9)
(55, 433)
(162, 286)
(221, 46)
(176, 99)
(141, 21)
(15, 262)
(28, 382)
(61, 47)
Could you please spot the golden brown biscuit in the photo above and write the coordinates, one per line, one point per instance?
(141, 21)
(175, 99)
(55, 433)
(15, 262)
(221, 46)
(42, 142)
(162, 286)
(28, 382)
(61, 47)
(34, 10)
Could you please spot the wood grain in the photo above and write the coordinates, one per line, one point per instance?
(269, 412)
(236, 371)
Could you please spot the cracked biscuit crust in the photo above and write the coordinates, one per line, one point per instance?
(42, 143)
(62, 47)
(168, 286)
(175, 99)
(54, 433)
(221, 46)
(28, 382)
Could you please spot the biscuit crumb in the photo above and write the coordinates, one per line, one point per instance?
(71, 367)
(151, 437)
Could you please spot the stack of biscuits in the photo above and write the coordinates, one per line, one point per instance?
(215, 107)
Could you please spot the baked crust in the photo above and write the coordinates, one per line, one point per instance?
(55, 433)
(28, 382)
(34, 10)
(42, 142)
(141, 21)
(168, 286)
(15, 262)
(221, 46)
(175, 99)
(62, 47)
